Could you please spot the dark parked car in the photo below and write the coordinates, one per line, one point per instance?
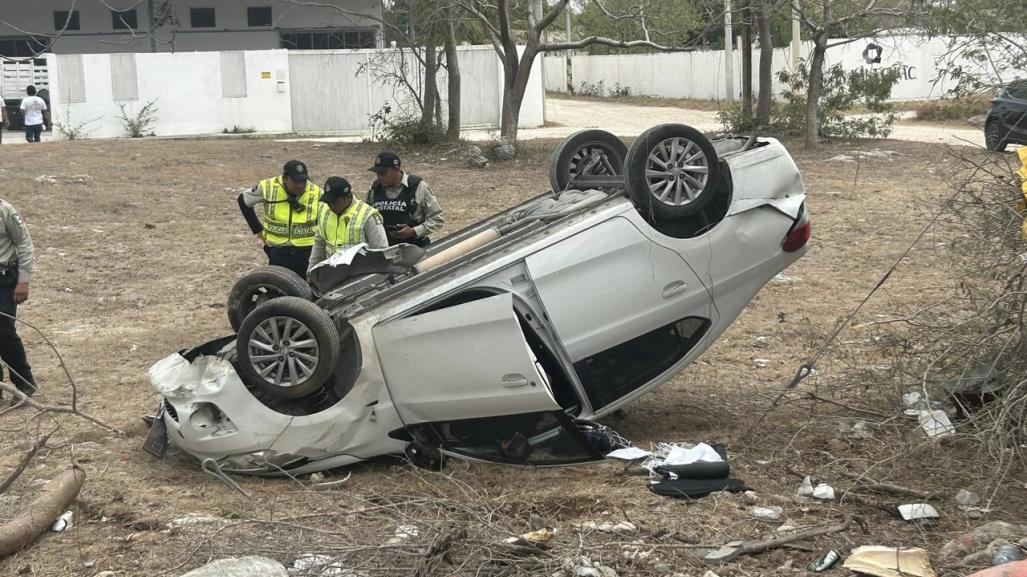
(1007, 119)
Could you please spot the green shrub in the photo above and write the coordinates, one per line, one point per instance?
(868, 90)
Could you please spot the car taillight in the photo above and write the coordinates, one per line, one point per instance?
(796, 238)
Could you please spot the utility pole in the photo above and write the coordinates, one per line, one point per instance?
(152, 28)
(729, 58)
(796, 40)
(569, 53)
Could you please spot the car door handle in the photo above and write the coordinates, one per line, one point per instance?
(674, 288)
(513, 381)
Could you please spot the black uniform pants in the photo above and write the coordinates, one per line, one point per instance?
(12, 351)
(293, 258)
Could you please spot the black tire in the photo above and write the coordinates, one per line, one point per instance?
(594, 152)
(267, 344)
(993, 136)
(684, 192)
(263, 284)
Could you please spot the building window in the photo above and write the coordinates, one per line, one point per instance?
(124, 20)
(60, 17)
(258, 16)
(338, 39)
(202, 18)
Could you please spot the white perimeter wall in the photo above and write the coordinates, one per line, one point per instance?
(700, 74)
(187, 89)
(190, 89)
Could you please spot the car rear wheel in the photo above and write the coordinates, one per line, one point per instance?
(672, 171)
(288, 347)
(261, 285)
(993, 139)
(587, 152)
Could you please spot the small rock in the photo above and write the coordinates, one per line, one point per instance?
(504, 152)
(750, 497)
(967, 498)
(471, 151)
(478, 162)
(710, 574)
(975, 513)
(240, 567)
(663, 567)
(760, 342)
(783, 279)
(760, 363)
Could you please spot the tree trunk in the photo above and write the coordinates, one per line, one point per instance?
(746, 49)
(453, 78)
(431, 88)
(766, 65)
(511, 111)
(816, 88)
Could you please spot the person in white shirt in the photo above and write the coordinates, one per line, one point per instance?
(36, 115)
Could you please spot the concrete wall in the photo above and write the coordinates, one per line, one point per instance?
(187, 88)
(700, 74)
(274, 91)
(97, 34)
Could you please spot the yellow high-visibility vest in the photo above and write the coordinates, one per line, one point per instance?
(347, 229)
(284, 226)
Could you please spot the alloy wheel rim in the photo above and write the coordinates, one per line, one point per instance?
(676, 171)
(283, 351)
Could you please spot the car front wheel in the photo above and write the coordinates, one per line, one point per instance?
(672, 171)
(288, 347)
(993, 139)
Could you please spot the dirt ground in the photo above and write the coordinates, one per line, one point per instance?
(136, 261)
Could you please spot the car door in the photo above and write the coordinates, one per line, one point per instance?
(1018, 108)
(465, 377)
(609, 284)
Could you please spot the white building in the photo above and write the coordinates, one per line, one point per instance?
(27, 27)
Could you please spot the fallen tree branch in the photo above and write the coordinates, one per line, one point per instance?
(34, 519)
(868, 483)
(25, 462)
(21, 399)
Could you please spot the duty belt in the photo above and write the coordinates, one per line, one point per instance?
(4, 267)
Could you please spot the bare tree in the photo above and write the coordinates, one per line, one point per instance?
(499, 21)
(854, 20)
(453, 75)
(764, 10)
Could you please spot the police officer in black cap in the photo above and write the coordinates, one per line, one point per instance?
(406, 202)
(290, 216)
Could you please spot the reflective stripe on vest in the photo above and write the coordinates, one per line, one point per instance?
(347, 229)
(284, 226)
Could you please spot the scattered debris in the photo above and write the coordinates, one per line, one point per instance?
(404, 533)
(823, 491)
(63, 523)
(967, 498)
(918, 512)
(751, 497)
(240, 567)
(825, 562)
(65, 179)
(1006, 554)
(761, 363)
(32, 520)
(977, 538)
(734, 549)
(322, 566)
(478, 162)
(628, 454)
(805, 487)
(609, 527)
(535, 538)
(760, 342)
(890, 562)
(936, 424)
(504, 152)
(771, 513)
(783, 279)
(195, 519)
(973, 391)
(856, 429)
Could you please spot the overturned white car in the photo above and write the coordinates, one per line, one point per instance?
(501, 340)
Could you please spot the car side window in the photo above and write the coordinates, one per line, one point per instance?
(547, 438)
(1018, 90)
(611, 374)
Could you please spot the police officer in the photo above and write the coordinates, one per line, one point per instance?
(290, 216)
(16, 256)
(344, 221)
(407, 205)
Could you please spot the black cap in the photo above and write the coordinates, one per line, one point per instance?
(335, 187)
(296, 170)
(385, 161)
